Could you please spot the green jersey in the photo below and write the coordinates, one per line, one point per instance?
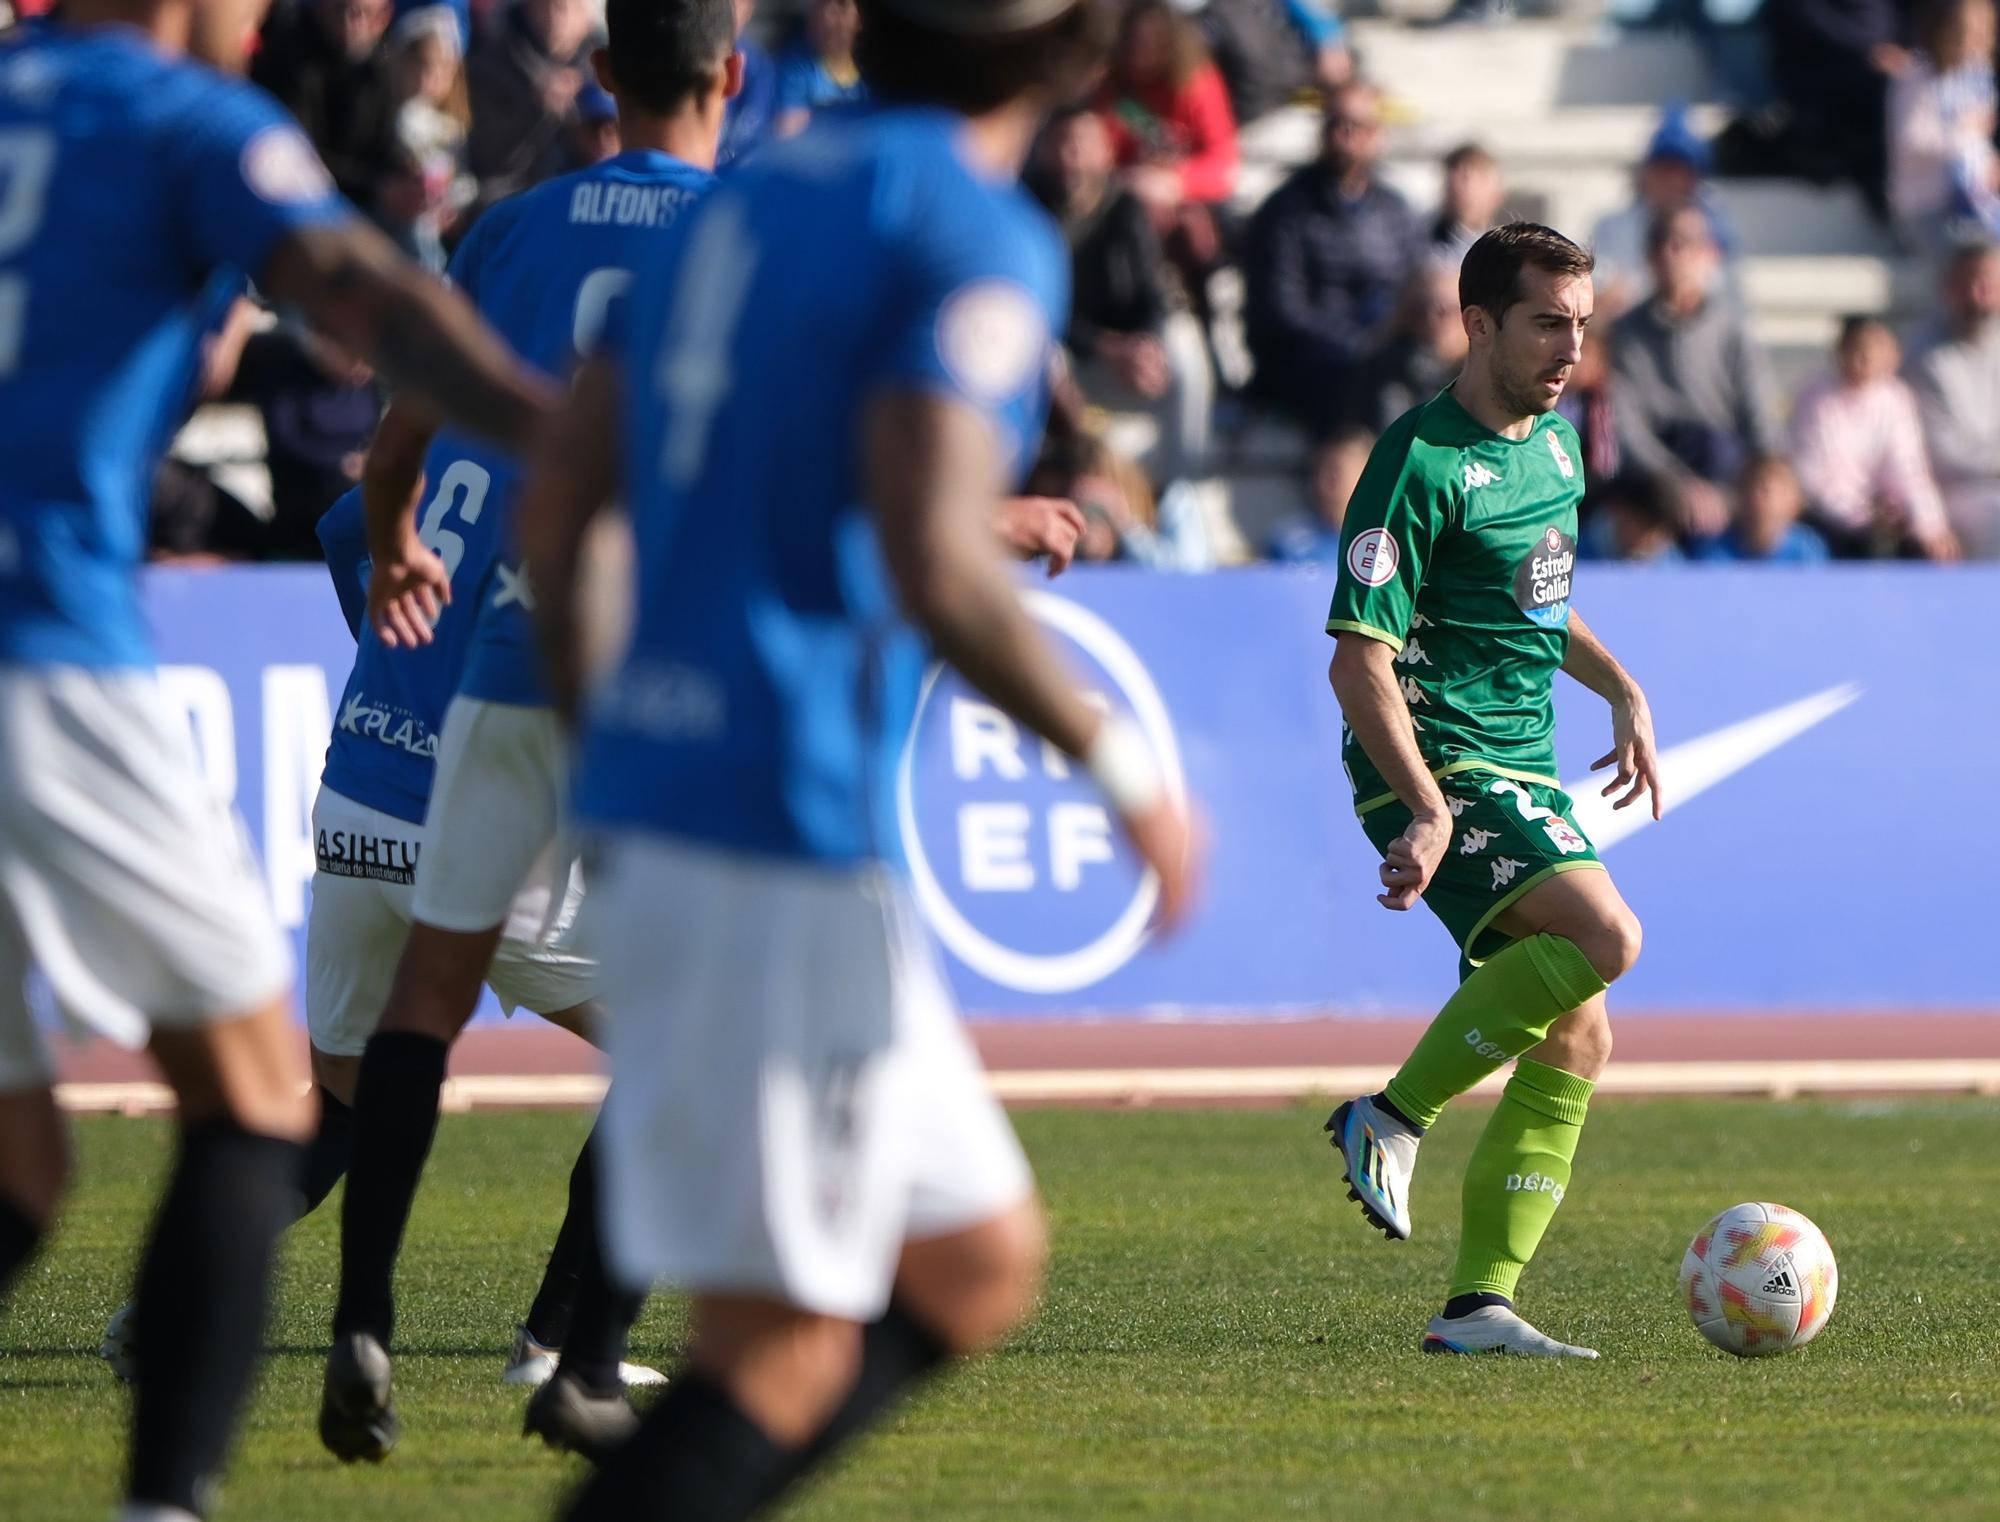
(1458, 552)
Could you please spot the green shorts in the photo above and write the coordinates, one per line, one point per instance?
(1506, 838)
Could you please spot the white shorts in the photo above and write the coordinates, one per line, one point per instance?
(122, 876)
(792, 1095)
(361, 911)
(497, 847)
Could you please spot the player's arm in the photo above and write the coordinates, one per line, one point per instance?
(420, 336)
(570, 476)
(932, 471)
(409, 585)
(1364, 680)
(1632, 744)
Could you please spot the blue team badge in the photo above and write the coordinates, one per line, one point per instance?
(1016, 859)
(1542, 580)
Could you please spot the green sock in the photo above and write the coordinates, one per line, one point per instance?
(1517, 1176)
(1499, 1012)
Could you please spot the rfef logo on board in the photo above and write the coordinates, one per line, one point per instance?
(1016, 859)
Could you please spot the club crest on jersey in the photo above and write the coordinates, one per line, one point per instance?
(281, 167)
(1542, 580)
(1563, 461)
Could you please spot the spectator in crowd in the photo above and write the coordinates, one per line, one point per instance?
(1673, 173)
(1859, 449)
(432, 114)
(593, 136)
(1313, 537)
(817, 69)
(1767, 524)
(1590, 403)
(1473, 195)
(1131, 348)
(524, 78)
(1831, 64)
(1123, 522)
(1634, 521)
(1272, 52)
(1956, 375)
(1422, 354)
(1693, 399)
(325, 61)
(1943, 170)
(752, 111)
(1323, 262)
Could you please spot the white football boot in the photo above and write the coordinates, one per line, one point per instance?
(532, 1365)
(1495, 1329)
(1378, 1153)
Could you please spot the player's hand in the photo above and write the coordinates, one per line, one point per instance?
(1168, 839)
(1051, 526)
(1412, 859)
(407, 595)
(1634, 752)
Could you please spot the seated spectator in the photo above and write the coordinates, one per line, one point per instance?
(1123, 522)
(1692, 392)
(523, 78)
(1423, 353)
(1859, 448)
(1634, 521)
(428, 187)
(1324, 260)
(817, 68)
(752, 111)
(1273, 52)
(1173, 133)
(1943, 170)
(1766, 526)
(1313, 537)
(1130, 348)
(1473, 196)
(1673, 173)
(1831, 63)
(326, 63)
(1590, 403)
(1956, 376)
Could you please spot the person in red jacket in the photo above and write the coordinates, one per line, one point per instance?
(1173, 131)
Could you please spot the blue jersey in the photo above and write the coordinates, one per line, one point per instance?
(770, 679)
(541, 267)
(136, 192)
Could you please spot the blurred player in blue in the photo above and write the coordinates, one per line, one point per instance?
(813, 410)
(466, 815)
(138, 188)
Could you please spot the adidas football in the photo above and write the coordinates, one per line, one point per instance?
(1759, 1279)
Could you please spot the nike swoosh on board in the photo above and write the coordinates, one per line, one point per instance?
(1694, 766)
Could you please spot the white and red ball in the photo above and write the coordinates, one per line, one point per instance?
(1759, 1279)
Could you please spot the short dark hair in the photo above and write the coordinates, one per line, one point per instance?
(1467, 153)
(664, 52)
(903, 59)
(1854, 324)
(1490, 276)
(1644, 493)
(1661, 227)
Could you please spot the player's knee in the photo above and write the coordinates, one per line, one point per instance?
(788, 1369)
(1612, 943)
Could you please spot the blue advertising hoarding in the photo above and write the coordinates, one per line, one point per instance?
(1827, 738)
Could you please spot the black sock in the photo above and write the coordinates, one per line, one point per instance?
(204, 1287)
(19, 1237)
(327, 1153)
(555, 1302)
(1465, 1305)
(695, 1458)
(897, 1351)
(1381, 1102)
(395, 1118)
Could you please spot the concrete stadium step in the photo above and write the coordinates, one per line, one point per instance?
(1784, 284)
(1791, 217)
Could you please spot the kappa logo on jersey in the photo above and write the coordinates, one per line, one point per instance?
(1542, 580)
(1476, 841)
(1504, 870)
(1015, 858)
(379, 858)
(1412, 654)
(511, 587)
(1563, 461)
(1414, 695)
(1372, 557)
(360, 717)
(1477, 475)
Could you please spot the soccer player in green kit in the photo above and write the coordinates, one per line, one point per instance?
(1452, 615)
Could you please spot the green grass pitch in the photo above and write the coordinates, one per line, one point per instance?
(1220, 1337)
